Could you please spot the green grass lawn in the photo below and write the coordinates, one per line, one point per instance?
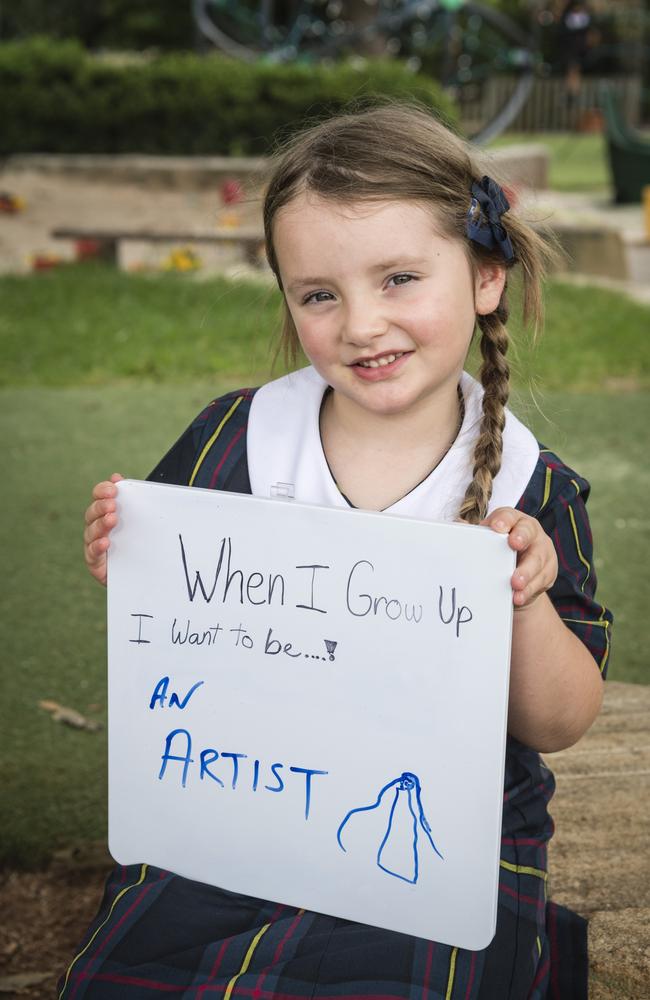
(578, 161)
(68, 423)
(91, 324)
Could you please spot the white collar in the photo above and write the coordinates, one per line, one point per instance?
(285, 453)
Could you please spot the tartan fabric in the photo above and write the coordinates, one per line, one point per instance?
(157, 934)
(212, 451)
(556, 496)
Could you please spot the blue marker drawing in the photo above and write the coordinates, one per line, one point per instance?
(398, 851)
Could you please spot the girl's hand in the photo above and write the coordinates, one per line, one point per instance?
(536, 559)
(100, 519)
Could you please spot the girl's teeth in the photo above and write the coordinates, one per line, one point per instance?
(380, 362)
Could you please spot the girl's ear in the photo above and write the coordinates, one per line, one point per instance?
(488, 288)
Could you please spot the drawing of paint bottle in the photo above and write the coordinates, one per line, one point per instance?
(397, 853)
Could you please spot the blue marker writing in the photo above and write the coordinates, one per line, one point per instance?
(209, 756)
(406, 803)
(186, 758)
(159, 695)
(308, 773)
(236, 757)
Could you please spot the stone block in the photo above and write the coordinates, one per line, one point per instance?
(591, 249)
(524, 165)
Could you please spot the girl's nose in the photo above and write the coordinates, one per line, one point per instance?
(364, 321)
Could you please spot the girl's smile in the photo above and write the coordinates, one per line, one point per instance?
(383, 304)
(380, 366)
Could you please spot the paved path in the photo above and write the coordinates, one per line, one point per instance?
(600, 854)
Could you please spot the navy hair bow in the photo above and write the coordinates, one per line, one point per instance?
(484, 217)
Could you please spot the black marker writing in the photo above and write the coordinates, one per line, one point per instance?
(311, 606)
(361, 604)
(462, 614)
(244, 586)
(207, 636)
(140, 640)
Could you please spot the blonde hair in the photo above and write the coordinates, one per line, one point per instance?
(401, 152)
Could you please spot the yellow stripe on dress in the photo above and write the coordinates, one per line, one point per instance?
(524, 870)
(247, 958)
(601, 621)
(452, 974)
(127, 888)
(603, 624)
(583, 621)
(603, 662)
(575, 537)
(214, 438)
(547, 487)
(599, 624)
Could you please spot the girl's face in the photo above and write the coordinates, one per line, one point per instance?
(384, 306)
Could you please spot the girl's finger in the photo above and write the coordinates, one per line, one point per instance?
(107, 487)
(525, 591)
(100, 527)
(97, 549)
(99, 509)
(530, 564)
(502, 519)
(520, 598)
(103, 490)
(90, 533)
(521, 529)
(521, 536)
(95, 554)
(527, 586)
(529, 593)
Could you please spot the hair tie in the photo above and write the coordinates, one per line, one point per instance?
(484, 217)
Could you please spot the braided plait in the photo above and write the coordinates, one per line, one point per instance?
(495, 379)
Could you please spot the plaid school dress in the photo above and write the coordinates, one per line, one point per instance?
(159, 935)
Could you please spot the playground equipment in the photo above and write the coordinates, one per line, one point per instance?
(460, 44)
(629, 153)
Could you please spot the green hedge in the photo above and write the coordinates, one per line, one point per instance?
(103, 24)
(59, 99)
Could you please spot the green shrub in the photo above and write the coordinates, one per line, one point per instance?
(112, 24)
(59, 99)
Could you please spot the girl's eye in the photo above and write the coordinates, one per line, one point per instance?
(317, 297)
(401, 279)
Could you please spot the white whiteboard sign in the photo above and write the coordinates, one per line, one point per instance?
(309, 705)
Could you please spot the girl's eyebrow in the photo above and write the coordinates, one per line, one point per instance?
(305, 282)
(398, 263)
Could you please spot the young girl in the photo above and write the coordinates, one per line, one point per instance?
(389, 247)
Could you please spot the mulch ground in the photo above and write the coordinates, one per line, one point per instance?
(45, 916)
